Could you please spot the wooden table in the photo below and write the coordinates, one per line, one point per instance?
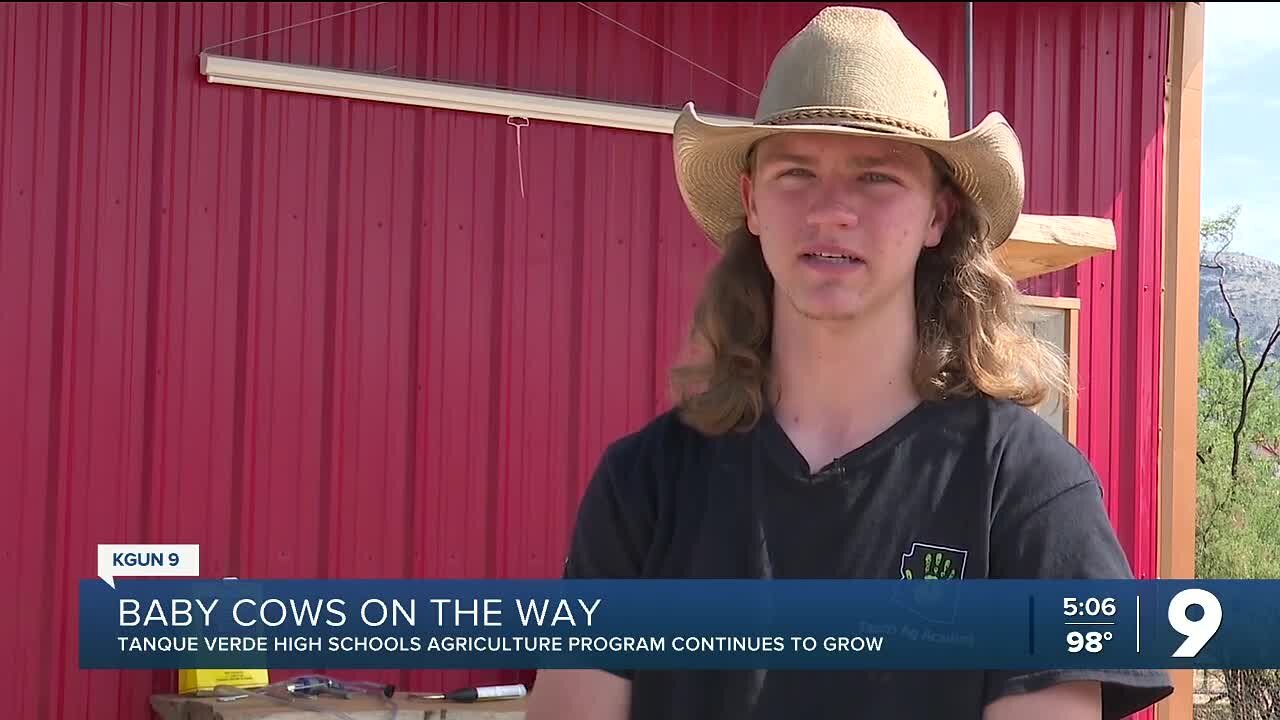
(359, 707)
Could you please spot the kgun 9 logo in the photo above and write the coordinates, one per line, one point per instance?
(1199, 632)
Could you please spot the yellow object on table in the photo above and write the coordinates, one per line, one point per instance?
(196, 681)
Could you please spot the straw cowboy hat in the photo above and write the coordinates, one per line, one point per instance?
(850, 71)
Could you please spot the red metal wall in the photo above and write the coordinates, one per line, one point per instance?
(332, 338)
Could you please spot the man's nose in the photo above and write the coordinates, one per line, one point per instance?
(834, 204)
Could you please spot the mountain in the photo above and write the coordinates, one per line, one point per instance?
(1252, 284)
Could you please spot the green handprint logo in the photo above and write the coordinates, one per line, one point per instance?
(933, 562)
(936, 567)
(925, 561)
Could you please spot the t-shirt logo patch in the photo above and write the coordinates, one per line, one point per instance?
(933, 562)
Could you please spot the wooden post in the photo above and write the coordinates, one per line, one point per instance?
(1180, 352)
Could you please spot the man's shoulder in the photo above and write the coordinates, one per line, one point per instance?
(1032, 461)
(1005, 425)
(662, 441)
(1016, 444)
(1025, 434)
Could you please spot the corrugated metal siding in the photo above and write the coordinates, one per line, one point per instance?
(1089, 102)
(332, 338)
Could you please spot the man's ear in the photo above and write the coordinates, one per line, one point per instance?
(944, 208)
(747, 191)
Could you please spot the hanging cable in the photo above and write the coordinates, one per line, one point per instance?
(290, 27)
(648, 39)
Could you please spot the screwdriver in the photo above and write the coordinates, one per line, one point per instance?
(475, 694)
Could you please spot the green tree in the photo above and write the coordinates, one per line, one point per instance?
(1238, 445)
(1238, 465)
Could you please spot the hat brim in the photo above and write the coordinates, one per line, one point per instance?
(986, 163)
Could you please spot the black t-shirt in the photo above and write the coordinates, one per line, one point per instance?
(991, 483)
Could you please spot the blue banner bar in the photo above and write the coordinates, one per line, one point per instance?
(671, 624)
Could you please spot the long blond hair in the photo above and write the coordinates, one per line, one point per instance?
(970, 337)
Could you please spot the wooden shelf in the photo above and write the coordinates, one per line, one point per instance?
(1043, 244)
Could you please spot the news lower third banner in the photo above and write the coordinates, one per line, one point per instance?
(679, 624)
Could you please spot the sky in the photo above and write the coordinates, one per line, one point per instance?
(1241, 141)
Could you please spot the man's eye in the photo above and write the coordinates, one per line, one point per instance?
(877, 177)
(797, 172)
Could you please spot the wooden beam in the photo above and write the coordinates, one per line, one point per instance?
(290, 77)
(1180, 317)
(1073, 372)
(1044, 301)
(1043, 244)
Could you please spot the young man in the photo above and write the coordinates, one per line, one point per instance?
(856, 405)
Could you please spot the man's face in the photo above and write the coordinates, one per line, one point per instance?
(842, 220)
